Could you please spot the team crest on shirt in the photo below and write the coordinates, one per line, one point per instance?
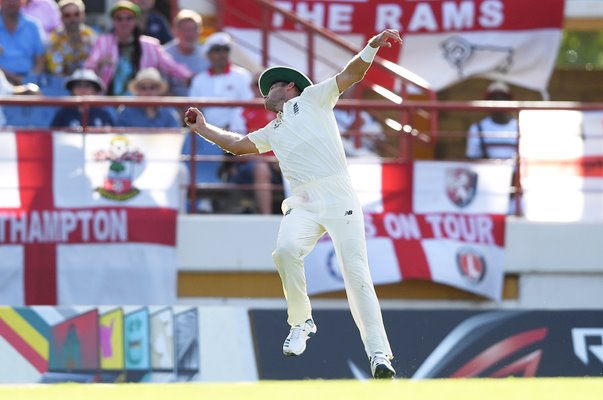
(461, 186)
(117, 183)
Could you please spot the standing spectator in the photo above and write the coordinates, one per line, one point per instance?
(185, 48)
(46, 12)
(21, 43)
(148, 83)
(494, 137)
(82, 83)
(118, 56)
(152, 22)
(223, 80)
(70, 44)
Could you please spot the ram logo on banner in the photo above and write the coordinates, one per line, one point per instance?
(562, 165)
(88, 219)
(444, 41)
(417, 229)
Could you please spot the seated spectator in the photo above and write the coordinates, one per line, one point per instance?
(21, 43)
(152, 22)
(185, 48)
(361, 134)
(117, 56)
(83, 82)
(148, 83)
(259, 171)
(494, 137)
(46, 12)
(7, 88)
(70, 44)
(222, 80)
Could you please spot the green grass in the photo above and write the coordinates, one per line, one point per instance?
(443, 389)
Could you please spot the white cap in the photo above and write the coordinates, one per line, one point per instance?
(498, 87)
(216, 39)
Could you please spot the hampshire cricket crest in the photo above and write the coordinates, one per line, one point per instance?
(117, 184)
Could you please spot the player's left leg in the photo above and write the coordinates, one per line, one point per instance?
(348, 237)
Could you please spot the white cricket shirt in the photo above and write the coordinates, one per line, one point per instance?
(305, 137)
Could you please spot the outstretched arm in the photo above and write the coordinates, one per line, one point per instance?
(356, 68)
(231, 142)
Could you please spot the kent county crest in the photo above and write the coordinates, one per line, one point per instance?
(461, 186)
(117, 183)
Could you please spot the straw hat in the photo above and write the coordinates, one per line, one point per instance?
(149, 74)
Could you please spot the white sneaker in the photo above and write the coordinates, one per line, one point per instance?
(381, 366)
(295, 344)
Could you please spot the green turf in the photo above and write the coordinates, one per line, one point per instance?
(444, 389)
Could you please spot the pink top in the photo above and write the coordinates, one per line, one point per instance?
(153, 55)
(45, 11)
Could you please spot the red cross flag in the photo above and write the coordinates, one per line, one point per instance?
(445, 41)
(562, 180)
(438, 221)
(88, 218)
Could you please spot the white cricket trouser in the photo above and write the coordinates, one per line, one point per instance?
(329, 205)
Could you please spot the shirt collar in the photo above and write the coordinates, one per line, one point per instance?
(211, 70)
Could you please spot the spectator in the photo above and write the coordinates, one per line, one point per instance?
(21, 43)
(185, 48)
(70, 44)
(152, 22)
(494, 137)
(223, 80)
(258, 171)
(117, 57)
(45, 12)
(354, 122)
(148, 83)
(7, 88)
(83, 82)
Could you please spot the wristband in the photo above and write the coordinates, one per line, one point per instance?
(368, 53)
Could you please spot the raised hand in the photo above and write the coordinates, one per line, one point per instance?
(383, 39)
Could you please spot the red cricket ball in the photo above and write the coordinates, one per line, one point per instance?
(191, 116)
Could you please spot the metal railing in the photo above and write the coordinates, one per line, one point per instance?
(415, 137)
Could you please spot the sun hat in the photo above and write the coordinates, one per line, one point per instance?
(84, 75)
(150, 74)
(125, 5)
(282, 74)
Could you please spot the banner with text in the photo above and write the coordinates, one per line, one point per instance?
(439, 221)
(88, 218)
(444, 41)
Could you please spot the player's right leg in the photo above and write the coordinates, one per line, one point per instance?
(298, 233)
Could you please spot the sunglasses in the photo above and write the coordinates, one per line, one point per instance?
(219, 48)
(71, 15)
(123, 18)
(83, 84)
(147, 87)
